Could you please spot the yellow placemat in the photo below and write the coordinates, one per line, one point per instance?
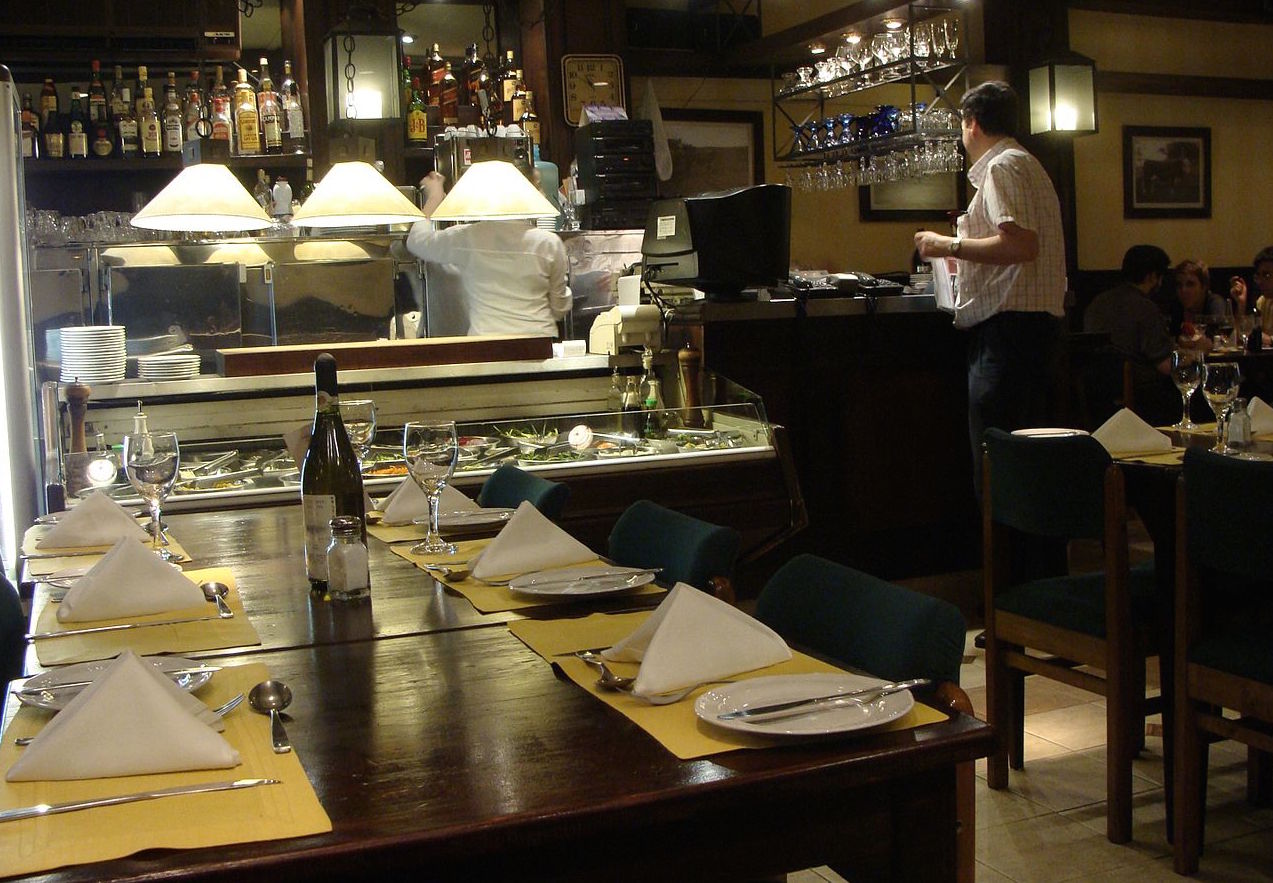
(500, 599)
(32, 552)
(188, 637)
(267, 812)
(676, 727)
(402, 533)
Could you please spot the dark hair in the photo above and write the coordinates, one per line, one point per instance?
(1195, 268)
(1264, 255)
(993, 105)
(1141, 260)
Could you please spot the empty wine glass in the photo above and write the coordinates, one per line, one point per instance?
(431, 451)
(359, 417)
(952, 30)
(150, 462)
(1220, 326)
(1220, 382)
(1186, 373)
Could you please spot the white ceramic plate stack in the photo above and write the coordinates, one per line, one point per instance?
(170, 366)
(93, 353)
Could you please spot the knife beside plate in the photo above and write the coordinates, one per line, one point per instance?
(49, 809)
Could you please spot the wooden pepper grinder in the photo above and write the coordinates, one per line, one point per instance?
(690, 363)
(77, 395)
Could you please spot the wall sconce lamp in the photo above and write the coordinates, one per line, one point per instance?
(1063, 96)
(363, 64)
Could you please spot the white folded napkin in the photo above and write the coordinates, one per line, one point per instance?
(130, 721)
(96, 521)
(530, 542)
(693, 638)
(130, 580)
(1126, 432)
(1261, 415)
(408, 502)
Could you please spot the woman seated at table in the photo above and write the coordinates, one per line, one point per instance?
(1263, 264)
(1195, 304)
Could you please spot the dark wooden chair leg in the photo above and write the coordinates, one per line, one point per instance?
(1259, 776)
(1190, 762)
(998, 714)
(1016, 748)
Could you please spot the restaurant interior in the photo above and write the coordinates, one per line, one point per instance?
(711, 584)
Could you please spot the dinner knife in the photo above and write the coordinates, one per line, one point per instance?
(67, 685)
(35, 636)
(48, 809)
(803, 706)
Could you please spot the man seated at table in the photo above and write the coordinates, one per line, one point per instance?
(1138, 330)
(1263, 306)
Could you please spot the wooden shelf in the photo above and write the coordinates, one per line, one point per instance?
(167, 164)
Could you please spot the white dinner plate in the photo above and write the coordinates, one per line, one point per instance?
(598, 579)
(87, 671)
(1050, 432)
(771, 690)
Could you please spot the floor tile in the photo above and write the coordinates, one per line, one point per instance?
(1049, 849)
(1066, 781)
(987, 874)
(1035, 749)
(1001, 807)
(1077, 727)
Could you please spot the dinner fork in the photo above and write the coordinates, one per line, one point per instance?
(611, 681)
(219, 711)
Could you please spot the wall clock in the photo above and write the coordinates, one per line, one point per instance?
(590, 79)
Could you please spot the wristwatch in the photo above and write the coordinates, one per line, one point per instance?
(955, 245)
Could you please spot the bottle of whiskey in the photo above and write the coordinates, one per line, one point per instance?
(127, 134)
(449, 94)
(469, 76)
(219, 112)
(417, 117)
(48, 102)
(293, 112)
(247, 120)
(77, 127)
(436, 67)
(174, 120)
(269, 109)
(505, 84)
(529, 120)
(149, 129)
(192, 107)
(31, 147)
(54, 134)
(518, 99)
(405, 85)
(96, 96)
(139, 91)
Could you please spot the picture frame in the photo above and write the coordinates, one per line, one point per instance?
(924, 199)
(712, 150)
(1166, 172)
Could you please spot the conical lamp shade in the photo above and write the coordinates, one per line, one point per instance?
(203, 198)
(353, 194)
(493, 191)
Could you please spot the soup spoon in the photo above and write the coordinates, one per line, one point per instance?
(216, 592)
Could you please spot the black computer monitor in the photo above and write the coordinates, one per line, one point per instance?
(721, 243)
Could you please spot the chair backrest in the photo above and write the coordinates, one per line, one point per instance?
(862, 621)
(1047, 486)
(12, 626)
(688, 549)
(508, 486)
(1226, 512)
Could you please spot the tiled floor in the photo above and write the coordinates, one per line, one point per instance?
(1049, 825)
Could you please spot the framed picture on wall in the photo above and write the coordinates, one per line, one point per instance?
(712, 150)
(926, 198)
(1166, 172)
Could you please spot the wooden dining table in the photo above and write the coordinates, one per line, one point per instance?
(442, 746)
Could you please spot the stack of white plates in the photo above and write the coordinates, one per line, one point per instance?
(169, 366)
(93, 353)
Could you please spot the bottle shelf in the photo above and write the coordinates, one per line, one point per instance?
(167, 164)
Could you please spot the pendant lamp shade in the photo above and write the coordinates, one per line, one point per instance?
(203, 198)
(353, 194)
(493, 191)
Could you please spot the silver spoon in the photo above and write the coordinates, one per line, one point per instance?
(611, 681)
(271, 697)
(216, 592)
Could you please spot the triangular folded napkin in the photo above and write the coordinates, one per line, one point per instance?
(96, 521)
(408, 502)
(527, 543)
(1126, 433)
(130, 721)
(693, 638)
(130, 580)
(1261, 415)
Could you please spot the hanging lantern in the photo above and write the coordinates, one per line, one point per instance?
(1063, 96)
(363, 62)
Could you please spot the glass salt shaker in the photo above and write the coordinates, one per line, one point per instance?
(1239, 425)
(348, 570)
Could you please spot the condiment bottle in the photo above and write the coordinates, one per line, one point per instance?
(348, 570)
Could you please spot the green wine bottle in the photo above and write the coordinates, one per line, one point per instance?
(331, 484)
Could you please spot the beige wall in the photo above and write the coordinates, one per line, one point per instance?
(1241, 174)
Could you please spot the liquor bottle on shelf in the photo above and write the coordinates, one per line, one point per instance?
(174, 120)
(48, 102)
(101, 138)
(293, 112)
(96, 95)
(654, 424)
(470, 76)
(54, 136)
(220, 113)
(529, 120)
(31, 146)
(417, 117)
(247, 120)
(127, 132)
(193, 107)
(331, 483)
(149, 129)
(449, 92)
(262, 192)
(517, 104)
(630, 420)
(405, 85)
(435, 66)
(139, 91)
(505, 84)
(77, 127)
(269, 110)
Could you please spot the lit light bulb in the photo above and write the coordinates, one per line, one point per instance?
(1066, 118)
(893, 24)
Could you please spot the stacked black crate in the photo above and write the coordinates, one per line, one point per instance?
(616, 173)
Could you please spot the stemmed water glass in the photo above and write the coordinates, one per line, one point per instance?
(1186, 373)
(150, 462)
(359, 417)
(431, 451)
(951, 29)
(1220, 382)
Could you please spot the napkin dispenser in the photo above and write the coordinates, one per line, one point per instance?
(623, 327)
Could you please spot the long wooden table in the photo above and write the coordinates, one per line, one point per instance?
(441, 746)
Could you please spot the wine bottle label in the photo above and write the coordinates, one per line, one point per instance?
(270, 129)
(318, 511)
(249, 132)
(417, 126)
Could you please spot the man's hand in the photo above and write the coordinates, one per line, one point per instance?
(432, 185)
(932, 245)
(1237, 291)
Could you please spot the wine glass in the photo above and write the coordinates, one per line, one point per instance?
(359, 417)
(431, 451)
(1186, 373)
(1220, 326)
(150, 461)
(1220, 382)
(951, 28)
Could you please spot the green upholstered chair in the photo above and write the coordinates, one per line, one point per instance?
(1064, 488)
(1224, 631)
(688, 549)
(508, 486)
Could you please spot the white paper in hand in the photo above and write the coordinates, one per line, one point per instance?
(693, 638)
(1125, 433)
(96, 521)
(130, 580)
(1261, 415)
(530, 542)
(408, 502)
(130, 721)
